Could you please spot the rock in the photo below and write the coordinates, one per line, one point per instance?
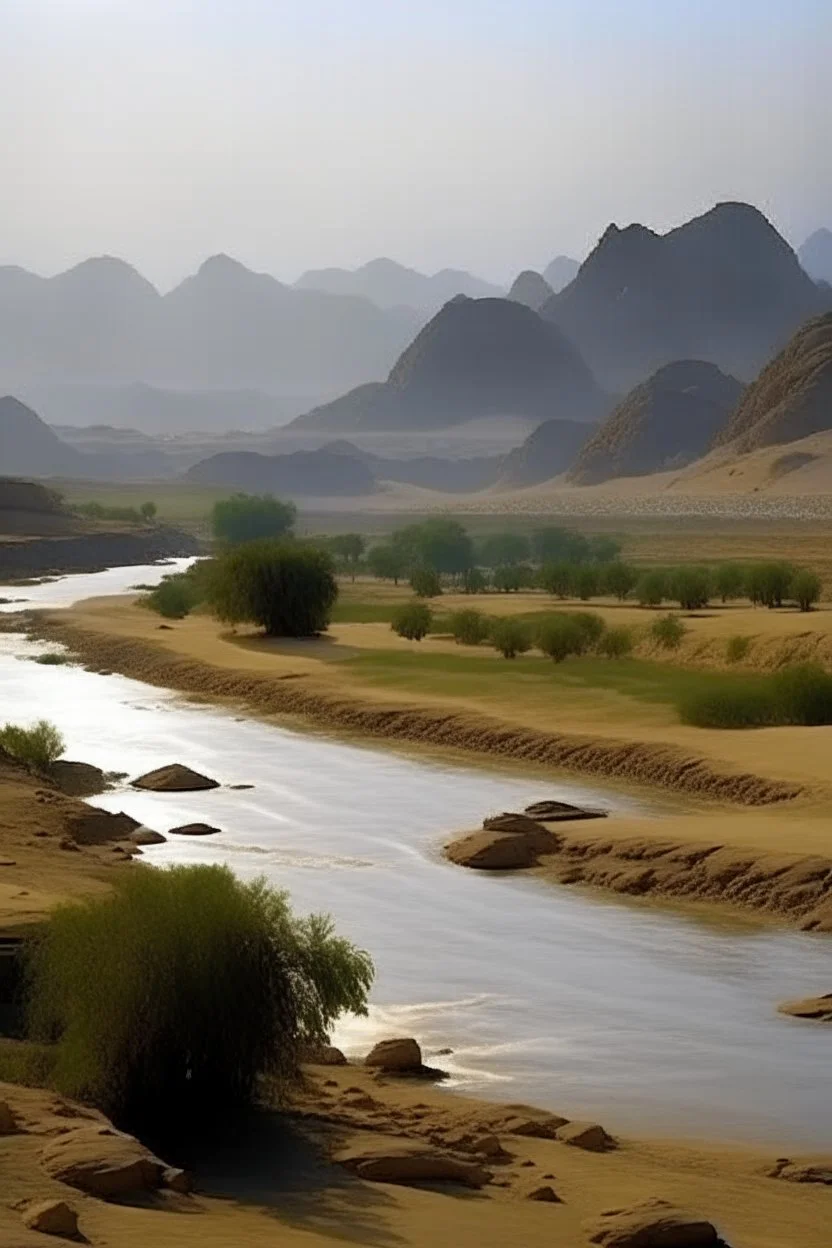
(146, 836)
(587, 1135)
(8, 1126)
(395, 1055)
(240, 787)
(177, 1180)
(651, 1224)
(462, 1141)
(78, 779)
(537, 1127)
(545, 1193)
(102, 1161)
(557, 812)
(407, 1163)
(517, 825)
(492, 851)
(175, 778)
(99, 827)
(819, 1009)
(194, 829)
(52, 1217)
(815, 1170)
(325, 1055)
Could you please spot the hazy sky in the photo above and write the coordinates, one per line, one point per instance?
(485, 134)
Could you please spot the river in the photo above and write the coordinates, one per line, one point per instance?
(650, 1020)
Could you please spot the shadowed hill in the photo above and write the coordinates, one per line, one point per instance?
(561, 271)
(667, 421)
(816, 255)
(475, 358)
(724, 287)
(530, 288)
(546, 452)
(321, 473)
(28, 447)
(792, 397)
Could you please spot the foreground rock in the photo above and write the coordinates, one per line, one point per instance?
(100, 827)
(507, 842)
(175, 778)
(325, 1055)
(807, 1170)
(589, 1136)
(146, 836)
(78, 779)
(400, 1056)
(104, 1162)
(194, 829)
(819, 1009)
(400, 1161)
(52, 1217)
(651, 1224)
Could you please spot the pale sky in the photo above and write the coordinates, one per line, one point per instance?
(481, 134)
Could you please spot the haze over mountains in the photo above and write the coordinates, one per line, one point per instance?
(391, 285)
(816, 255)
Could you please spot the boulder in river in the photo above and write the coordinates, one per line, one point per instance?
(651, 1224)
(175, 778)
(818, 1009)
(399, 1056)
(146, 836)
(492, 851)
(194, 829)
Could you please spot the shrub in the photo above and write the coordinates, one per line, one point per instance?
(768, 583)
(469, 627)
(618, 579)
(586, 581)
(668, 631)
(53, 659)
(147, 511)
(734, 704)
(510, 636)
(425, 582)
(805, 589)
(652, 588)
(736, 648)
(512, 577)
(557, 579)
(387, 562)
(413, 620)
(249, 517)
(803, 695)
(474, 581)
(173, 598)
(729, 581)
(286, 588)
(561, 635)
(691, 587)
(616, 643)
(591, 625)
(39, 746)
(174, 993)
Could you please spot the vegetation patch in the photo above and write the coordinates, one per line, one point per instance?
(39, 746)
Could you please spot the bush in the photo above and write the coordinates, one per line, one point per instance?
(729, 581)
(53, 659)
(474, 581)
(769, 583)
(513, 577)
(425, 582)
(736, 648)
(668, 631)
(249, 517)
(805, 589)
(591, 625)
(734, 704)
(39, 746)
(691, 587)
(147, 511)
(173, 598)
(618, 579)
(412, 621)
(652, 588)
(469, 627)
(561, 635)
(803, 695)
(557, 579)
(177, 991)
(616, 643)
(510, 636)
(286, 588)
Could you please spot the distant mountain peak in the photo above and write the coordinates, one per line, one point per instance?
(104, 274)
(816, 255)
(531, 289)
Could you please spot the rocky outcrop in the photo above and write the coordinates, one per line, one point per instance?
(818, 1009)
(552, 811)
(589, 1136)
(651, 1224)
(146, 836)
(100, 827)
(807, 1170)
(547, 452)
(78, 779)
(174, 778)
(397, 1056)
(52, 1217)
(508, 842)
(104, 1162)
(92, 552)
(409, 1163)
(324, 1055)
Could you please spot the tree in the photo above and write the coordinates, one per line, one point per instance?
(557, 578)
(504, 549)
(618, 579)
(287, 588)
(238, 986)
(555, 545)
(561, 635)
(247, 517)
(510, 636)
(147, 511)
(768, 584)
(603, 549)
(616, 643)
(668, 631)
(425, 582)
(729, 581)
(439, 543)
(469, 627)
(651, 588)
(474, 581)
(348, 549)
(387, 562)
(691, 587)
(805, 588)
(413, 620)
(586, 581)
(508, 579)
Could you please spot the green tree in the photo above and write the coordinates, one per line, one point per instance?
(668, 631)
(805, 588)
(202, 984)
(348, 549)
(768, 584)
(147, 511)
(439, 543)
(587, 581)
(510, 636)
(561, 635)
(603, 549)
(247, 517)
(287, 588)
(387, 562)
(729, 581)
(652, 588)
(618, 579)
(474, 581)
(503, 549)
(425, 582)
(559, 545)
(39, 746)
(469, 627)
(690, 586)
(557, 579)
(413, 620)
(508, 579)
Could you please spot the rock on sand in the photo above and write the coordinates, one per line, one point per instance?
(102, 1161)
(52, 1217)
(175, 778)
(651, 1224)
(398, 1055)
(403, 1162)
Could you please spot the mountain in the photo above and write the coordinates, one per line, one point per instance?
(724, 287)
(667, 421)
(28, 447)
(816, 255)
(430, 472)
(530, 288)
(321, 473)
(792, 397)
(561, 272)
(548, 451)
(475, 358)
(226, 327)
(390, 285)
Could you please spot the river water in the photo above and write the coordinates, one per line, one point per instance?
(647, 1019)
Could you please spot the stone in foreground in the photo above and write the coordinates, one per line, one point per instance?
(399, 1055)
(175, 778)
(651, 1224)
(52, 1217)
(101, 1161)
(406, 1163)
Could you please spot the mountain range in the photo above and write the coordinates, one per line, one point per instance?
(391, 285)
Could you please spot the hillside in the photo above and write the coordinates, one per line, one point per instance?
(724, 288)
(792, 397)
(561, 271)
(667, 421)
(816, 255)
(389, 285)
(320, 473)
(475, 358)
(531, 289)
(28, 447)
(546, 453)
